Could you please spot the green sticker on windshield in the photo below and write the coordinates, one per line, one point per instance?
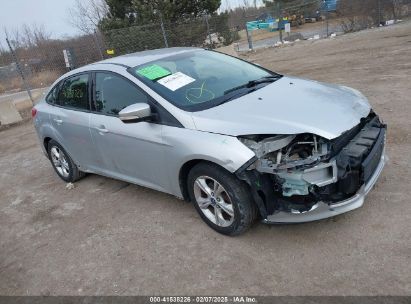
(153, 72)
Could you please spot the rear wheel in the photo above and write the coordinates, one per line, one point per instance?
(64, 166)
(222, 200)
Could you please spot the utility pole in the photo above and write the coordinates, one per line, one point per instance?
(26, 85)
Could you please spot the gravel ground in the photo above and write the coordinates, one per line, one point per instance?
(107, 237)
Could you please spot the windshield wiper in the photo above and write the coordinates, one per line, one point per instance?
(253, 83)
(246, 88)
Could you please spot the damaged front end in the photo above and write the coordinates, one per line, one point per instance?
(304, 177)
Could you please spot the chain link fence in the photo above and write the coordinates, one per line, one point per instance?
(210, 32)
(41, 63)
(37, 66)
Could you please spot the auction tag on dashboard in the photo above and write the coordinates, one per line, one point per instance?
(153, 72)
(175, 81)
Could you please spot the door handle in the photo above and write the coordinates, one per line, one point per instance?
(58, 121)
(102, 129)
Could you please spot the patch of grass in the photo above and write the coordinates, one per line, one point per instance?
(35, 80)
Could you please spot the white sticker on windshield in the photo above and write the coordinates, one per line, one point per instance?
(175, 81)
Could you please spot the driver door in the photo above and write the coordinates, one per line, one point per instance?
(128, 151)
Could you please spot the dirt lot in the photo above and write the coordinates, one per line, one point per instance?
(108, 237)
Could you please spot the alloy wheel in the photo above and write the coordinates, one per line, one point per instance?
(214, 201)
(60, 161)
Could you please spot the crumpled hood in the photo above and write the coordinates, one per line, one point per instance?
(288, 106)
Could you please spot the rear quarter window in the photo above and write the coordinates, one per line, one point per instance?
(52, 95)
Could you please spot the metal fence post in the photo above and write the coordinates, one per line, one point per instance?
(280, 22)
(249, 38)
(281, 31)
(326, 21)
(208, 31)
(26, 85)
(163, 31)
(96, 40)
(379, 12)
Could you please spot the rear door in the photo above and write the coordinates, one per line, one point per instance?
(128, 151)
(70, 117)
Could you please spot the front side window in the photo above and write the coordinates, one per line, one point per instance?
(74, 92)
(200, 79)
(114, 93)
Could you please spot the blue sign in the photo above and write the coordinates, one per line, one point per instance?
(329, 5)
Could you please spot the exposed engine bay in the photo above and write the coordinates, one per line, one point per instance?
(292, 172)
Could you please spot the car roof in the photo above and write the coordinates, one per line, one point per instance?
(129, 60)
(135, 59)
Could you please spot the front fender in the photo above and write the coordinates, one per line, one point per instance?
(183, 145)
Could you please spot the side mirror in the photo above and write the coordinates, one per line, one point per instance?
(135, 113)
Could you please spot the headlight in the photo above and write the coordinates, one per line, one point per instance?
(295, 160)
(281, 152)
(264, 144)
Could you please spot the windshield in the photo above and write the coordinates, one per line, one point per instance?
(200, 79)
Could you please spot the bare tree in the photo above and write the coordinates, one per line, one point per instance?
(3, 51)
(362, 14)
(14, 36)
(246, 3)
(34, 35)
(395, 7)
(86, 15)
(27, 36)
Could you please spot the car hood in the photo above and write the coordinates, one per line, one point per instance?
(288, 106)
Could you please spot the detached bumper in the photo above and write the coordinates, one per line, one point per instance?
(323, 210)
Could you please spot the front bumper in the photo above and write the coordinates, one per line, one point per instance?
(322, 210)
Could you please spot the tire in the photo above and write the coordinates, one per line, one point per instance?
(62, 163)
(227, 207)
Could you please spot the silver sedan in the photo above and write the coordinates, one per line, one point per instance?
(239, 141)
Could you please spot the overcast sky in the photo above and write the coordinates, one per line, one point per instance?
(53, 14)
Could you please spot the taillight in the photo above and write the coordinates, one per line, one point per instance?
(33, 112)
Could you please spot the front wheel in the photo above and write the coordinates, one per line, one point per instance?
(222, 200)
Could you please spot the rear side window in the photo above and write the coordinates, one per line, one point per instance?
(114, 93)
(74, 92)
